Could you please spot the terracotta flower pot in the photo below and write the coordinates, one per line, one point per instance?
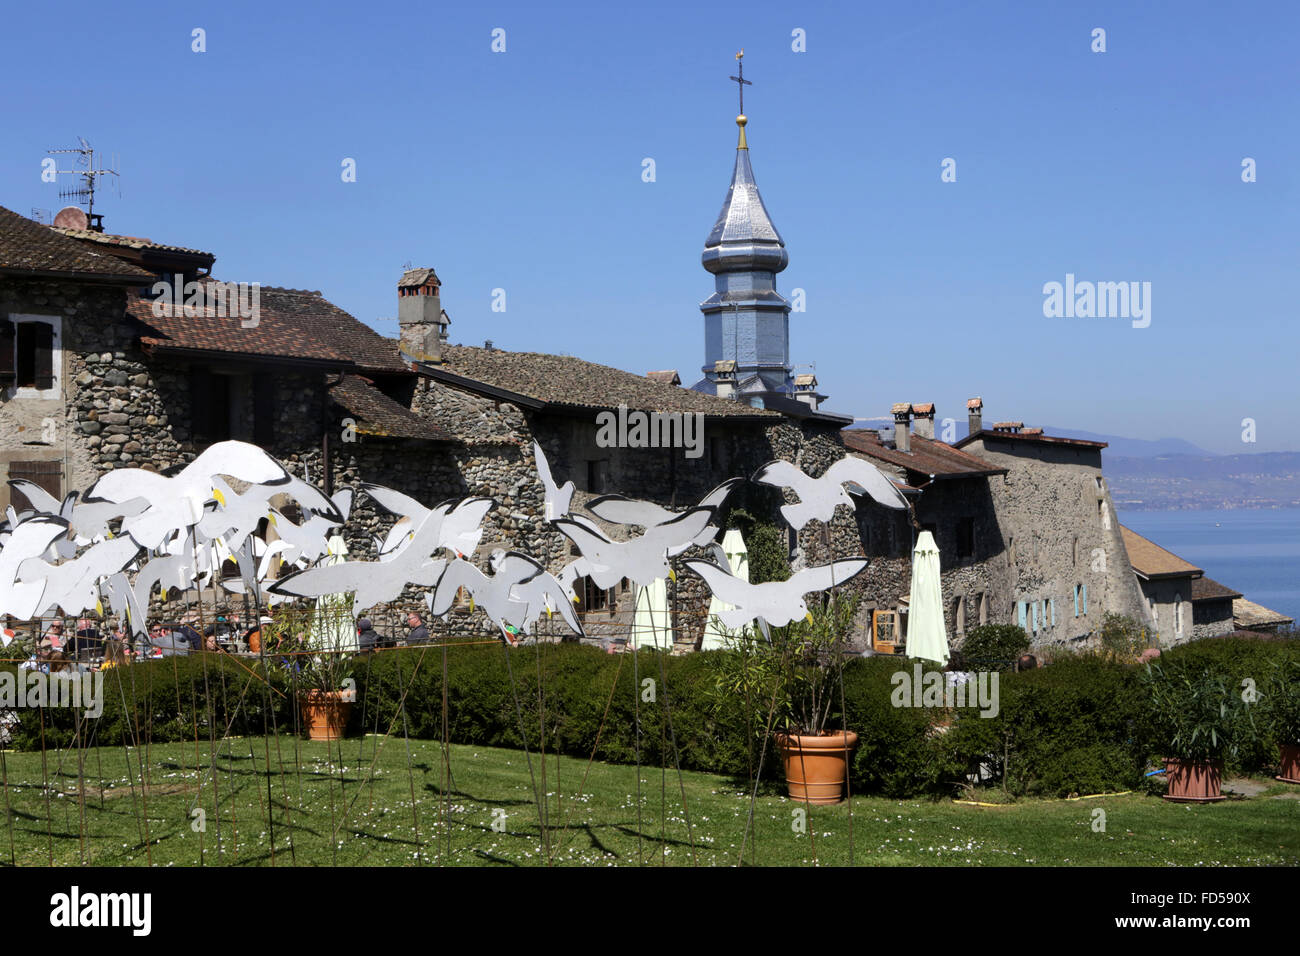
(815, 767)
(325, 714)
(1290, 769)
(1194, 781)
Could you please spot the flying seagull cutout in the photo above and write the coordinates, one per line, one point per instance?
(818, 497)
(775, 602)
(88, 520)
(642, 559)
(557, 499)
(376, 582)
(28, 539)
(72, 585)
(176, 503)
(618, 509)
(460, 532)
(517, 593)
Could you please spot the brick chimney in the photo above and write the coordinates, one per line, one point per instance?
(724, 376)
(420, 317)
(975, 414)
(902, 426)
(924, 420)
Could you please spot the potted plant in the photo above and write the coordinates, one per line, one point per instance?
(315, 650)
(798, 673)
(1200, 719)
(1281, 705)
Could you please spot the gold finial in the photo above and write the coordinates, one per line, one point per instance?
(741, 120)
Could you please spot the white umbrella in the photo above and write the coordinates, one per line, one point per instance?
(651, 625)
(715, 635)
(333, 627)
(926, 636)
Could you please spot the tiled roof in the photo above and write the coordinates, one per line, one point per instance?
(415, 278)
(377, 414)
(975, 402)
(125, 242)
(927, 457)
(1152, 561)
(667, 376)
(292, 323)
(924, 408)
(27, 246)
(1248, 614)
(899, 408)
(564, 381)
(1208, 589)
(1029, 434)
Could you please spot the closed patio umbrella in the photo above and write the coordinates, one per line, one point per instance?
(927, 638)
(715, 635)
(651, 625)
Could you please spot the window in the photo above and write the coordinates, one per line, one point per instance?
(965, 537)
(264, 410)
(46, 474)
(984, 607)
(1104, 514)
(209, 405)
(959, 615)
(1077, 589)
(1178, 614)
(31, 355)
(592, 599)
(598, 476)
(1011, 551)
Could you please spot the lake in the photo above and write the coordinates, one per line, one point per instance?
(1256, 552)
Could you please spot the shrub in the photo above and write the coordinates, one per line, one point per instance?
(994, 644)
(1122, 638)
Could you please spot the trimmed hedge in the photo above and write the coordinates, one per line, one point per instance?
(1076, 726)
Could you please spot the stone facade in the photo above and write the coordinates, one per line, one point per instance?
(1059, 535)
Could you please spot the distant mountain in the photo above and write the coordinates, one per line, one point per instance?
(1133, 447)
(1178, 482)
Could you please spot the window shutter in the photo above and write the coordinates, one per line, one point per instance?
(263, 410)
(45, 474)
(1085, 599)
(1052, 603)
(201, 401)
(44, 342)
(1020, 612)
(7, 352)
(1076, 600)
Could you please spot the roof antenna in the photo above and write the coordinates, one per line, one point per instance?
(84, 194)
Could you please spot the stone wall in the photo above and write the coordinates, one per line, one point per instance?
(1059, 529)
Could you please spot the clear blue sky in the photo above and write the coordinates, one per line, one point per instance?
(522, 171)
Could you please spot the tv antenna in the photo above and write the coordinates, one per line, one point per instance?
(84, 166)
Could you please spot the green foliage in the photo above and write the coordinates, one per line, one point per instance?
(1194, 712)
(769, 558)
(994, 646)
(1280, 700)
(1122, 638)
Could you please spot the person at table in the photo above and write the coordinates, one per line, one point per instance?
(368, 639)
(418, 633)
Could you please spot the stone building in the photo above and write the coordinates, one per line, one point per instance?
(1168, 585)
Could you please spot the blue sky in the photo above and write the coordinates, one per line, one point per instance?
(522, 171)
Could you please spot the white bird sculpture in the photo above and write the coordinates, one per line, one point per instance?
(27, 539)
(818, 497)
(375, 582)
(176, 503)
(461, 532)
(72, 585)
(517, 592)
(310, 540)
(646, 514)
(557, 498)
(88, 521)
(775, 602)
(642, 559)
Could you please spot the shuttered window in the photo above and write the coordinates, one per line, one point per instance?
(34, 355)
(8, 353)
(263, 410)
(46, 474)
(210, 404)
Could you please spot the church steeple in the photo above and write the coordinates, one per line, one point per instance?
(746, 320)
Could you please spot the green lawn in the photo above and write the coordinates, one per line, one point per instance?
(329, 807)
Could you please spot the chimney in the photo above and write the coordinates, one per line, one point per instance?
(924, 420)
(724, 377)
(805, 390)
(902, 426)
(975, 414)
(420, 317)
